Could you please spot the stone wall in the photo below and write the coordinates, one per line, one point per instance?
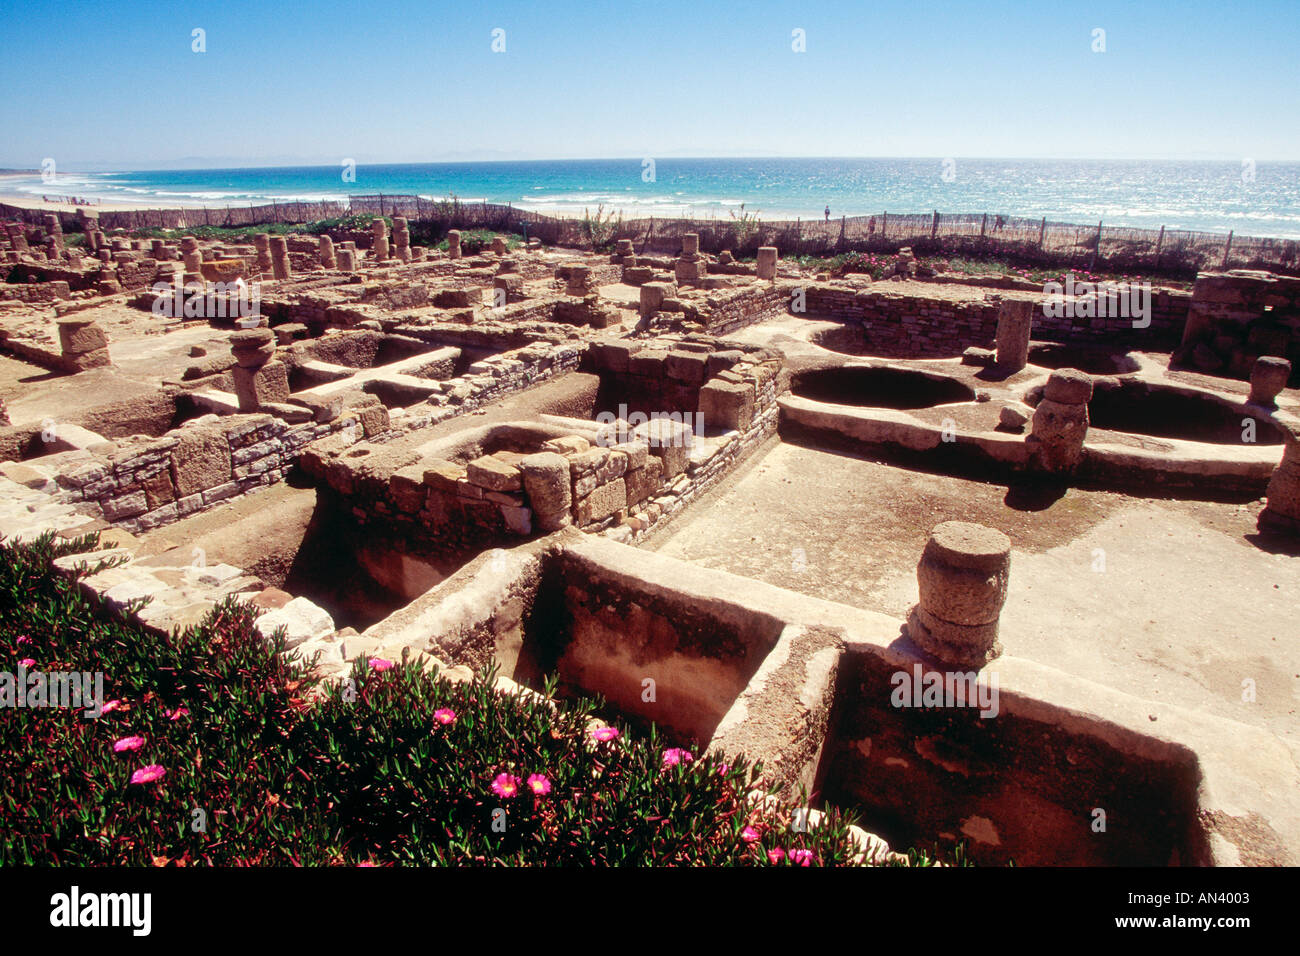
(895, 324)
(35, 291)
(1238, 316)
(209, 460)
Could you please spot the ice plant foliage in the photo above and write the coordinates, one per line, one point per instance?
(410, 771)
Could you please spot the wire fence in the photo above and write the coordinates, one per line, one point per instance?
(1034, 241)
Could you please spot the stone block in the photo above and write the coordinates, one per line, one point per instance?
(200, 460)
(727, 405)
(493, 474)
(270, 383)
(601, 503)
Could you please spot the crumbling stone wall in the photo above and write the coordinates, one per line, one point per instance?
(203, 463)
(911, 326)
(1235, 317)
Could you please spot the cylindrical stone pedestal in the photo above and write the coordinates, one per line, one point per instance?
(1282, 514)
(1267, 379)
(347, 260)
(578, 281)
(280, 267)
(379, 247)
(691, 244)
(766, 262)
(499, 246)
(1015, 320)
(83, 343)
(262, 243)
(1060, 422)
(453, 244)
(623, 249)
(963, 575)
(257, 380)
(327, 258)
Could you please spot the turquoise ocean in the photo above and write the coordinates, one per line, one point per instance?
(1257, 199)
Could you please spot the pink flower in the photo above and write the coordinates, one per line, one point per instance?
(148, 774)
(539, 784)
(128, 743)
(505, 785)
(604, 733)
(178, 713)
(775, 855)
(444, 715)
(24, 639)
(749, 834)
(675, 755)
(379, 664)
(27, 662)
(365, 863)
(801, 857)
(723, 768)
(110, 706)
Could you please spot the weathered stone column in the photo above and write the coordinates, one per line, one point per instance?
(280, 266)
(766, 267)
(379, 247)
(90, 228)
(402, 238)
(547, 484)
(107, 282)
(498, 246)
(83, 343)
(327, 258)
(652, 297)
(54, 230)
(1282, 513)
(258, 377)
(453, 244)
(1060, 422)
(158, 250)
(963, 575)
(1015, 321)
(578, 280)
(1267, 379)
(623, 250)
(17, 237)
(691, 266)
(262, 243)
(347, 260)
(191, 255)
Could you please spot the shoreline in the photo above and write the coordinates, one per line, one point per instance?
(568, 213)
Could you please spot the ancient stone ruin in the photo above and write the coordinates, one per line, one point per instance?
(790, 502)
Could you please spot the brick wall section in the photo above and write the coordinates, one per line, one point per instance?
(729, 310)
(35, 291)
(915, 326)
(624, 484)
(200, 465)
(1238, 316)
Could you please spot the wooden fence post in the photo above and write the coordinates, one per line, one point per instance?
(934, 226)
(1227, 247)
(1042, 231)
(984, 225)
(884, 224)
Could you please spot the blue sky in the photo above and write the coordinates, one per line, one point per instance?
(99, 85)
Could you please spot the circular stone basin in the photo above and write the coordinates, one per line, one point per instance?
(880, 388)
(1091, 360)
(1165, 412)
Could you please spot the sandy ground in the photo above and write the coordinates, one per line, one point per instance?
(1172, 601)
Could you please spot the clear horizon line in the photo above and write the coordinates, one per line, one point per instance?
(194, 162)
